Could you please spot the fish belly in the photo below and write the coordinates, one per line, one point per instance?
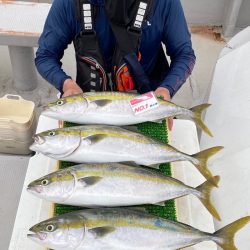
(113, 149)
(120, 113)
(123, 191)
(135, 238)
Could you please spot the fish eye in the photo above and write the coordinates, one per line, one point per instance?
(52, 133)
(50, 228)
(45, 182)
(60, 102)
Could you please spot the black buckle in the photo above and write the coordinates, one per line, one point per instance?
(87, 33)
(134, 31)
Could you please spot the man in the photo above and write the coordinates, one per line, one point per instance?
(121, 34)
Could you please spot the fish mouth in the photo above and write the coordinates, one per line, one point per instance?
(38, 139)
(37, 236)
(34, 189)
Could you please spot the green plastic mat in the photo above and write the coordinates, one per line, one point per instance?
(154, 130)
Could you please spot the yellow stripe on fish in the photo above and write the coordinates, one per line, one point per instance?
(112, 96)
(117, 96)
(115, 132)
(106, 171)
(94, 223)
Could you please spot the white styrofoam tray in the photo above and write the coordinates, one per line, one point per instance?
(229, 119)
(32, 210)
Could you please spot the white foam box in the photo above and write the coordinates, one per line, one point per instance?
(17, 124)
(32, 210)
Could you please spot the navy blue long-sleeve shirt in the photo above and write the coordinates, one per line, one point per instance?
(166, 24)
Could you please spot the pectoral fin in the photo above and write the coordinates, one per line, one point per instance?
(89, 181)
(130, 163)
(131, 128)
(155, 166)
(137, 209)
(162, 204)
(158, 121)
(102, 103)
(100, 232)
(95, 138)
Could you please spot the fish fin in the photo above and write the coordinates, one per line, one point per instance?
(162, 204)
(131, 128)
(202, 158)
(130, 163)
(158, 121)
(102, 103)
(95, 138)
(156, 166)
(205, 197)
(197, 117)
(89, 181)
(137, 209)
(225, 236)
(100, 232)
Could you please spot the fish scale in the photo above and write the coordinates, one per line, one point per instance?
(156, 131)
(126, 229)
(114, 108)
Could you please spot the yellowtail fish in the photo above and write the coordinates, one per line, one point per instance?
(101, 144)
(120, 229)
(115, 185)
(113, 108)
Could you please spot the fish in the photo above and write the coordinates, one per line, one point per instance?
(120, 228)
(101, 144)
(115, 185)
(113, 108)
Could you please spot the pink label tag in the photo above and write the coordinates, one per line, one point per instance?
(144, 103)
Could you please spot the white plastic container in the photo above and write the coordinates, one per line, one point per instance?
(17, 124)
(15, 147)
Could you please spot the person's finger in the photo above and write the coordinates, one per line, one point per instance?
(60, 124)
(163, 92)
(72, 92)
(170, 124)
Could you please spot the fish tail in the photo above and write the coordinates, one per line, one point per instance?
(197, 117)
(225, 236)
(200, 161)
(205, 195)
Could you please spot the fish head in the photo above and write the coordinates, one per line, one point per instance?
(58, 143)
(56, 187)
(62, 232)
(67, 107)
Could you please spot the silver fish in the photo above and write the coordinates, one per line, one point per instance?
(115, 185)
(100, 144)
(120, 229)
(113, 108)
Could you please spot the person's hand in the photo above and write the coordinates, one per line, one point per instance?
(70, 87)
(164, 93)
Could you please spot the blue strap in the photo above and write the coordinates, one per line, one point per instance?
(141, 80)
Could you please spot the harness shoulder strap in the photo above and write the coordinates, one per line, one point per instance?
(128, 38)
(91, 75)
(144, 9)
(85, 14)
(128, 34)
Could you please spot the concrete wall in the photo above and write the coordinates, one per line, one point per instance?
(209, 12)
(244, 15)
(231, 14)
(212, 12)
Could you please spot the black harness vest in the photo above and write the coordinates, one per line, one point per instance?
(126, 23)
